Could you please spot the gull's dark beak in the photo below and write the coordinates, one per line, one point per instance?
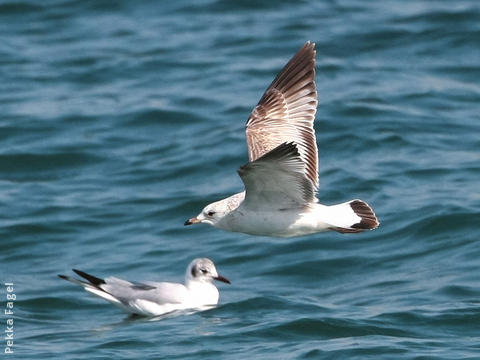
(192, 221)
(222, 279)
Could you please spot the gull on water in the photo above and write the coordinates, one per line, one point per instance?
(157, 298)
(281, 177)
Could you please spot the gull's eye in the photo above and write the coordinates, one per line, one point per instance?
(204, 271)
(211, 213)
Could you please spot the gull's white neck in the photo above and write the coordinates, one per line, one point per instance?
(202, 293)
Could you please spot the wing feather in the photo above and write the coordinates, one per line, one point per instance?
(156, 292)
(286, 113)
(277, 180)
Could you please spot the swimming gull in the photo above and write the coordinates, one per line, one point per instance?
(157, 298)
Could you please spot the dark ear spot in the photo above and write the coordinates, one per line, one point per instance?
(194, 271)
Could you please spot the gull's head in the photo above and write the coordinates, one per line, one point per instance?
(211, 214)
(203, 270)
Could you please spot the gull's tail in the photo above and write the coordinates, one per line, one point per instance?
(352, 217)
(94, 285)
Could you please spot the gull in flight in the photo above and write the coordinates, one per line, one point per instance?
(281, 177)
(157, 298)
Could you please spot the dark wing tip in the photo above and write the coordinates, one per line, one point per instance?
(365, 212)
(283, 150)
(92, 279)
(64, 277)
(303, 62)
(286, 149)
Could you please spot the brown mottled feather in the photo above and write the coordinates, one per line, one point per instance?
(286, 112)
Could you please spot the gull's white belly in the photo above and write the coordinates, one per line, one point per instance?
(281, 223)
(200, 296)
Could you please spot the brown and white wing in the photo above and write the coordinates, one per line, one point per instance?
(276, 180)
(286, 112)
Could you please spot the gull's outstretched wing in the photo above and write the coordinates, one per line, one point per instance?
(276, 180)
(286, 112)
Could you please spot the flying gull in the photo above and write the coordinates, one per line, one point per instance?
(281, 177)
(157, 298)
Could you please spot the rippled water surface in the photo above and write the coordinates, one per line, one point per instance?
(120, 120)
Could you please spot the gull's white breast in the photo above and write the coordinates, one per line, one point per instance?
(281, 223)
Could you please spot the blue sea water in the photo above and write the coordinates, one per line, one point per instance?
(120, 120)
